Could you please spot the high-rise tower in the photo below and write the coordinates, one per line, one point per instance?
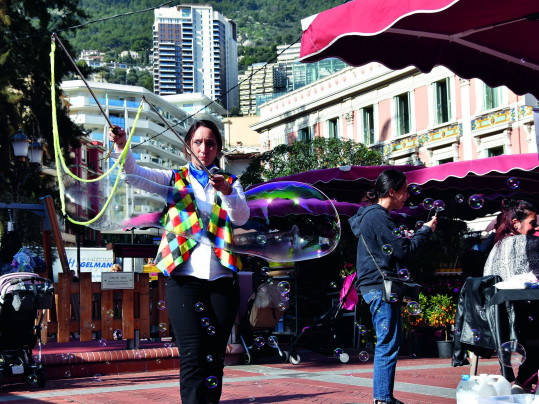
(195, 51)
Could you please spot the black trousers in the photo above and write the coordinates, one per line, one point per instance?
(202, 314)
(527, 324)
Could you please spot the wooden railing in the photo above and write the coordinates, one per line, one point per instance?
(105, 311)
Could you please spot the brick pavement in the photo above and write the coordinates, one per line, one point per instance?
(317, 379)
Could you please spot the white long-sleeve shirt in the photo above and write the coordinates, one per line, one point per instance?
(202, 263)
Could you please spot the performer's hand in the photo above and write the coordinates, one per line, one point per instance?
(119, 138)
(219, 182)
(432, 223)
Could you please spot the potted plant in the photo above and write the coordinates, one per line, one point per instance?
(440, 312)
(417, 333)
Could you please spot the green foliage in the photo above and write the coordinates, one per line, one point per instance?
(308, 155)
(261, 24)
(25, 91)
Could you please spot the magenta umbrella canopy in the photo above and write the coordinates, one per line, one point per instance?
(493, 179)
(493, 40)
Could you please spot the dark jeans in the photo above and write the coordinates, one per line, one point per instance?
(202, 352)
(386, 318)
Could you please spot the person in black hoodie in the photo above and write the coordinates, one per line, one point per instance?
(377, 241)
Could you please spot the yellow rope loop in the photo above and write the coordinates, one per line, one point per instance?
(58, 157)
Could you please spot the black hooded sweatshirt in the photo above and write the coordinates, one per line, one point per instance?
(376, 225)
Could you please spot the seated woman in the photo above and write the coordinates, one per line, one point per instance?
(515, 252)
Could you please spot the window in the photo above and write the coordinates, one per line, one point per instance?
(443, 161)
(443, 102)
(492, 97)
(333, 128)
(495, 151)
(305, 133)
(368, 125)
(402, 107)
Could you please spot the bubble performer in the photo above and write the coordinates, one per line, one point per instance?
(375, 229)
(202, 280)
(515, 252)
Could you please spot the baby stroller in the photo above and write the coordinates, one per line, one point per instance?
(21, 295)
(321, 336)
(264, 310)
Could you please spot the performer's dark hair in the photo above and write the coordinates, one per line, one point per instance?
(512, 209)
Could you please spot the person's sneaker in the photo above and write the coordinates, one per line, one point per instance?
(392, 401)
(518, 389)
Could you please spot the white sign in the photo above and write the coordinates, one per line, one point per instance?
(94, 260)
(117, 280)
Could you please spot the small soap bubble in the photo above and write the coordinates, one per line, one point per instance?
(261, 239)
(459, 198)
(265, 271)
(387, 249)
(419, 224)
(403, 228)
(102, 342)
(283, 286)
(98, 378)
(393, 297)
(211, 382)
(397, 232)
(118, 334)
(260, 342)
(428, 203)
(476, 201)
(211, 330)
(158, 361)
(285, 297)
(333, 285)
(272, 341)
(530, 318)
(92, 326)
(363, 356)
(413, 308)
(513, 183)
(361, 329)
(199, 307)
(281, 306)
(511, 354)
(415, 189)
(404, 274)
(110, 313)
(209, 358)
(205, 321)
(67, 374)
(162, 326)
(439, 205)
(32, 378)
(476, 335)
(161, 305)
(263, 289)
(457, 331)
(337, 352)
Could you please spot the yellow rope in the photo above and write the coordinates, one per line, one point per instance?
(58, 157)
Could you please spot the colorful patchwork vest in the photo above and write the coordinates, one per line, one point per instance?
(182, 216)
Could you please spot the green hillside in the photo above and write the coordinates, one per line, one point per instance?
(262, 24)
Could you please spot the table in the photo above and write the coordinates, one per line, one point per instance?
(506, 318)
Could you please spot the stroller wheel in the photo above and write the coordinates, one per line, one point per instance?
(294, 358)
(344, 357)
(284, 356)
(246, 358)
(41, 378)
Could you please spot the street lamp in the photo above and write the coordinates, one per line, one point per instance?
(24, 150)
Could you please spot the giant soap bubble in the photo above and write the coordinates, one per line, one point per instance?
(288, 221)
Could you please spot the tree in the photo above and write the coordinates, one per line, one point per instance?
(25, 86)
(308, 155)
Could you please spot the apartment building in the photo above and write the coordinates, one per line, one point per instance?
(195, 51)
(413, 118)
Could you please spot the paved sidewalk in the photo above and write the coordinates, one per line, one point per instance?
(317, 379)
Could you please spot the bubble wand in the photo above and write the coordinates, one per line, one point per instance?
(210, 174)
(112, 128)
